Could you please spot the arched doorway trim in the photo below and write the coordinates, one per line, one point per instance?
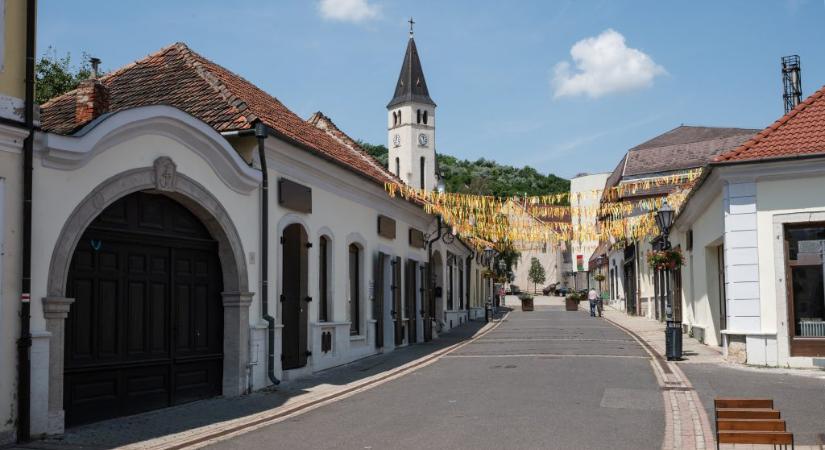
(161, 177)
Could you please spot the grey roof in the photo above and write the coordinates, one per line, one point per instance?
(684, 147)
(411, 86)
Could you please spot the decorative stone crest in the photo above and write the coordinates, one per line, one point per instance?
(165, 172)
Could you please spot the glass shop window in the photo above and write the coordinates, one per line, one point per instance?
(805, 262)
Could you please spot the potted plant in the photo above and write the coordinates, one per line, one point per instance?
(571, 302)
(670, 259)
(526, 302)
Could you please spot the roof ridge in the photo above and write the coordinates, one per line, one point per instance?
(770, 129)
(201, 65)
(319, 115)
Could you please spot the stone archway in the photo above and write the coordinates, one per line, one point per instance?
(162, 177)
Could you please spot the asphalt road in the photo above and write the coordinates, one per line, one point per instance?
(543, 379)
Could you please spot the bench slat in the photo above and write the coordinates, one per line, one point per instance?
(756, 413)
(755, 437)
(750, 425)
(743, 403)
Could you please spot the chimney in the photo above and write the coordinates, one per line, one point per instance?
(791, 82)
(92, 100)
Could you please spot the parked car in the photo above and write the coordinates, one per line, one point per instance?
(549, 289)
(514, 290)
(562, 291)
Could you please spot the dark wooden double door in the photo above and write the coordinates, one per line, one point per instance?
(146, 327)
(294, 297)
(404, 317)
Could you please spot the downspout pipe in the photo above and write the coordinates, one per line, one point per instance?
(24, 344)
(261, 131)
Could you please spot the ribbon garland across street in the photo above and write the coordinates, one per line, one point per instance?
(597, 215)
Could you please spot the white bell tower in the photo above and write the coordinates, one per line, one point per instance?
(411, 125)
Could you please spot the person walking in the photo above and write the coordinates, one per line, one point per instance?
(593, 297)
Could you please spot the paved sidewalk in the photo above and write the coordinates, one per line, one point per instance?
(180, 425)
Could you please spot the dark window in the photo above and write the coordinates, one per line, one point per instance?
(323, 280)
(354, 289)
(399, 117)
(418, 116)
(397, 167)
(449, 283)
(423, 167)
(460, 287)
(805, 265)
(425, 117)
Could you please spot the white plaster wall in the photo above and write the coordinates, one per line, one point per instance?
(10, 222)
(345, 207)
(550, 260)
(700, 292)
(582, 196)
(775, 198)
(58, 192)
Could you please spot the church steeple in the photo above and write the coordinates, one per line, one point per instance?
(411, 86)
(411, 125)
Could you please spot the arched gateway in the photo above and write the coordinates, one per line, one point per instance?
(146, 327)
(151, 273)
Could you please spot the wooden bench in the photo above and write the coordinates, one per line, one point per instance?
(750, 421)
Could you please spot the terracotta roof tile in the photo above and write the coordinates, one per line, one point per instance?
(179, 77)
(800, 132)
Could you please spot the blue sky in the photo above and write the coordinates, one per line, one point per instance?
(502, 73)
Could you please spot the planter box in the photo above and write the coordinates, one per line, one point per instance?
(571, 305)
(526, 304)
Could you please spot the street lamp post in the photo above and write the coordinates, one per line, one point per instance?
(673, 329)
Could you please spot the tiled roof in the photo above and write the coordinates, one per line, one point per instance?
(684, 147)
(177, 76)
(798, 133)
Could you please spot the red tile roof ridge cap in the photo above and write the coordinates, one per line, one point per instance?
(318, 116)
(765, 133)
(202, 66)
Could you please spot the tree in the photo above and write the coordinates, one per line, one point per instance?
(57, 75)
(536, 274)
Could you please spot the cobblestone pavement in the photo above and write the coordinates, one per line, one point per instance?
(704, 375)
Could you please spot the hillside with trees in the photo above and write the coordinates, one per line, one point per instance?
(486, 177)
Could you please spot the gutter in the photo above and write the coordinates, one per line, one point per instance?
(24, 343)
(261, 131)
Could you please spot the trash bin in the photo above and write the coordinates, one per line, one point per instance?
(673, 340)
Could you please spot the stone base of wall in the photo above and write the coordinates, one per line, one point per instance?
(737, 349)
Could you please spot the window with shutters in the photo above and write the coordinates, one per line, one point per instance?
(354, 289)
(324, 250)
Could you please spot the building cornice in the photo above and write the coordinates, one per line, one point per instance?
(72, 152)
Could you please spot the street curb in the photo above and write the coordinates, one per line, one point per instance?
(678, 394)
(211, 433)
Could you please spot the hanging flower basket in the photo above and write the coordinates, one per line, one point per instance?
(665, 259)
(599, 277)
(487, 273)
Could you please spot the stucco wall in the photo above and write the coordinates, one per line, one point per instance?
(700, 290)
(775, 199)
(10, 173)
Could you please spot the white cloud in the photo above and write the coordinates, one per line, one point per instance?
(603, 65)
(348, 10)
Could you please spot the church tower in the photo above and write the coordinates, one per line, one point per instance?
(411, 125)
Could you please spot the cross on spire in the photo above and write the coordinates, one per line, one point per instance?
(412, 23)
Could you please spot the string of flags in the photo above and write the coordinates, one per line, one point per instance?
(524, 221)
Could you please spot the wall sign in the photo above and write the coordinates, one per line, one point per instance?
(386, 227)
(294, 196)
(417, 238)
